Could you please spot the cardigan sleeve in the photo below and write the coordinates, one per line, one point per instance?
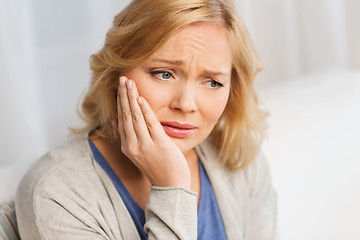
(71, 200)
(263, 200)
(171, 214)
(55, 203)
(54, 222)
(48, 213)
(58, 210)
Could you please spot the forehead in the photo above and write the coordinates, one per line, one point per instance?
(202, 40)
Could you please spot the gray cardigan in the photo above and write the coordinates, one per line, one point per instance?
(66, 195)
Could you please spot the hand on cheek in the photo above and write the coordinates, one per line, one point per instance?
(144, 141)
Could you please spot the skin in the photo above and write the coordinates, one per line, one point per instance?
(187, 81)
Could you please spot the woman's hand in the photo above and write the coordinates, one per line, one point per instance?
(144, 141)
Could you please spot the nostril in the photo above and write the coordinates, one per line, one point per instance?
(185, 107)
(184, 99)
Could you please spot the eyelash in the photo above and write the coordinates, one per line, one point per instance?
(156, 73)
(219, 85)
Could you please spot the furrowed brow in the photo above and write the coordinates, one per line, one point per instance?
(214, 73)
(180, 62)
(172, 62)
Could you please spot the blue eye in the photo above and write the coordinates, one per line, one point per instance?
(162, 74)
(214, 84)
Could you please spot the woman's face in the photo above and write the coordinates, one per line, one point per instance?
(187, 82)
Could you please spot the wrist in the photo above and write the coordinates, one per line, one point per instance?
(172, 181)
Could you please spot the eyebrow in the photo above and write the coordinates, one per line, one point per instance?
(172, 62)
(180, 62)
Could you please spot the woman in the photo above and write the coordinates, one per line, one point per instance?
(170, 149)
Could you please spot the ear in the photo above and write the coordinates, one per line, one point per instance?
(115, 123)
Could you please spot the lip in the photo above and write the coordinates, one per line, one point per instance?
(178, 130)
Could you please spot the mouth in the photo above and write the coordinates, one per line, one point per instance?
(178, 130)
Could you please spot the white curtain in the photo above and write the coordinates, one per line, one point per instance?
(299, 36)
(45, 47)
(44, 52)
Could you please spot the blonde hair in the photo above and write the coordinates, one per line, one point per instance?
(142, 28)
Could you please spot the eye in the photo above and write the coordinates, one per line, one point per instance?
(213, 84)
(164, 75)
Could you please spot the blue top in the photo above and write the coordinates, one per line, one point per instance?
(210, 225)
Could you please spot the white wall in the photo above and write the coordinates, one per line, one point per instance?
(313, 150)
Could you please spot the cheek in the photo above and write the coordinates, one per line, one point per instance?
(213, 108)
(153, 95)
(147, 89)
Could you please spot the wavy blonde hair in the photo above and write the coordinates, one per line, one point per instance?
(146, 25)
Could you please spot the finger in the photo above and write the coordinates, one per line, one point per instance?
(126, 117)
(119, 121)
(153, 125)
(137, 115)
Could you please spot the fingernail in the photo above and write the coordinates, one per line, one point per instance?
(140, 101)
(128, 84)
(122, 81)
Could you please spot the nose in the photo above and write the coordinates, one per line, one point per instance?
(184, 99)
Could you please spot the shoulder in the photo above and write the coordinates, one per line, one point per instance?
(65, 187)
(250, 179)
(62, 164)
(62, 176)
(70, 167)
(209, 154)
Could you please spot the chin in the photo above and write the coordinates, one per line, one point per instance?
(185, 145)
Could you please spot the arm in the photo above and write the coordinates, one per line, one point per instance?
(52, 214)
(170, 214)
(48, 211)
(172, 209)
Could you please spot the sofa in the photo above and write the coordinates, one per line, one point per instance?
(8, 226)
(10, 176)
